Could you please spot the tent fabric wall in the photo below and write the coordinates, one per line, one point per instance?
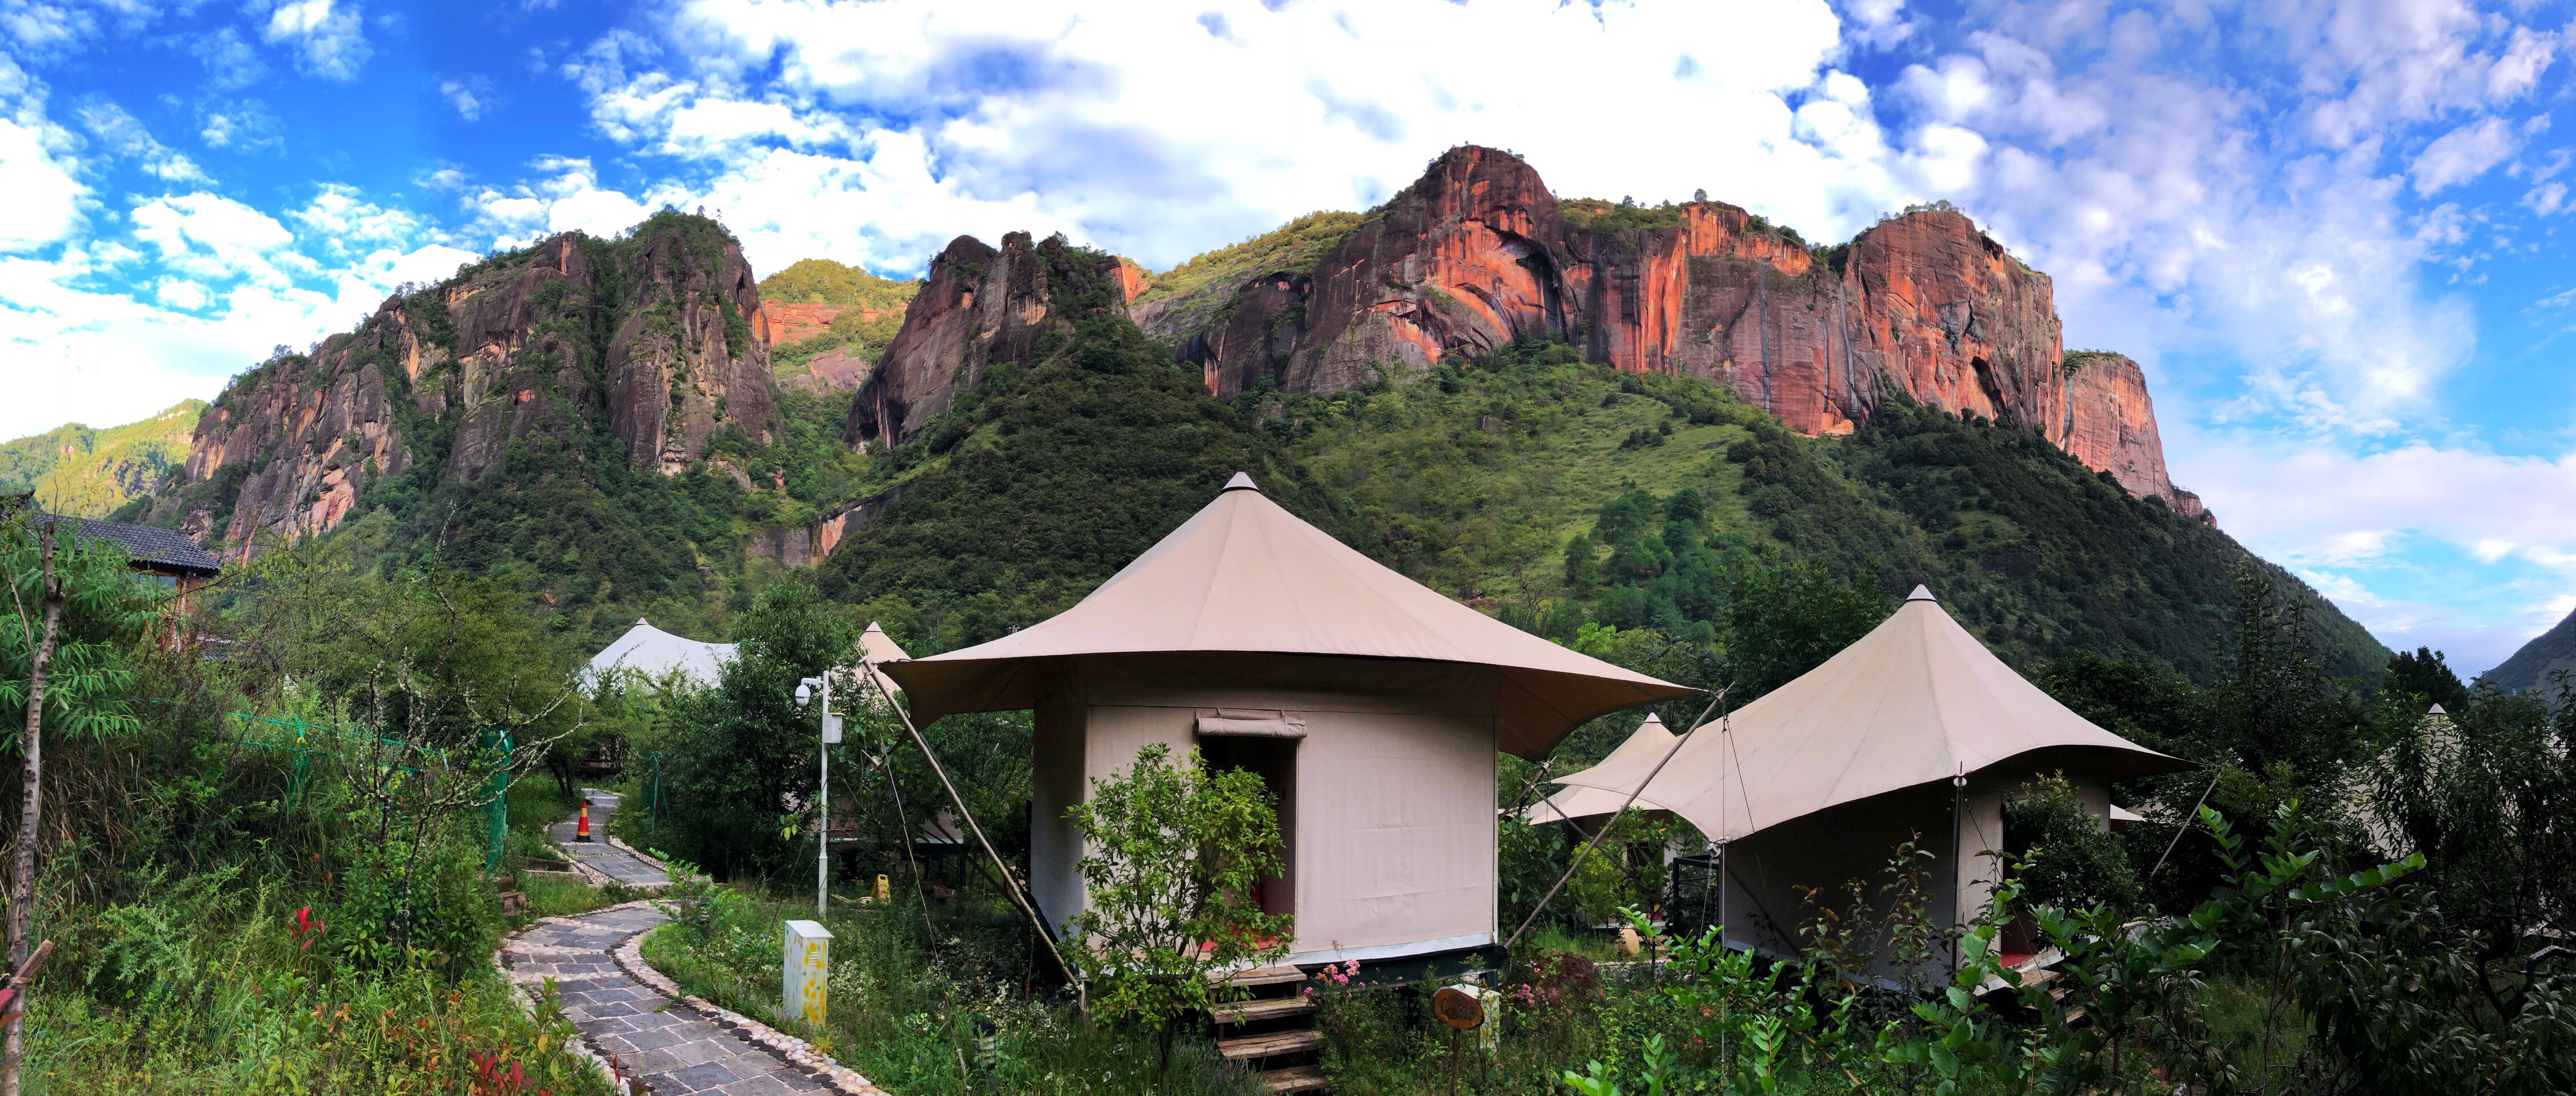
(1394, 841)
(1852, 843)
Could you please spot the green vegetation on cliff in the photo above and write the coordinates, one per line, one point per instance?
(74, 469)
(1043, 481)
(822, 281)
(1548, 488)
(1187, 297)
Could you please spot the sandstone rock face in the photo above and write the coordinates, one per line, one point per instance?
(786, 323)
(980, 307)
(511, 350)
(1478, 253)
(841, 369)
(2111, 427)
(323, 424)
(685, 359)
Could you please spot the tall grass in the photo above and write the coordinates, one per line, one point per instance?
(949, 1008)
(210, 987)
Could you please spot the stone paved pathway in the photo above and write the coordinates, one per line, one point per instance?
(676, 1046)
(607, 859)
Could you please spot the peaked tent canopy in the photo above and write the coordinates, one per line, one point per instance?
(1244, 576)
(1650, 743)
(656, 652)
(1916, 700)
(876, 650)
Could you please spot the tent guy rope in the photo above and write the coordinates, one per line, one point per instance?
(1604, 831)
(1018, 894)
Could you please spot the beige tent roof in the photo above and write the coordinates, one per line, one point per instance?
(1651, 742)
(1245, 576)
(876, 649)
(1916, 700)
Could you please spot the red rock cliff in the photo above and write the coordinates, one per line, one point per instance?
(1478, 253)
(505, 351)
(980, 306)
(2111, 427)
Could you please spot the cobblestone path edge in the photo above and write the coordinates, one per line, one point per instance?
(589, 954)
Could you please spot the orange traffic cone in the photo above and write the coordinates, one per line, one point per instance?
(581, 830)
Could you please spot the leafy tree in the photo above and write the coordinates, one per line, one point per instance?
(2274, 702)
(1177, 853)
(2425, 672)
(2063, 854)
(740, 764)
(1784, 619)
(2488, 796)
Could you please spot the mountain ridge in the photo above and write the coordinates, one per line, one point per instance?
(94, 472)
(1478, 254)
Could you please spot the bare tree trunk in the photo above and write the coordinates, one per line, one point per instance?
(22, 884)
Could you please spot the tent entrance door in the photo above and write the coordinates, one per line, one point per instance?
(1274, 760)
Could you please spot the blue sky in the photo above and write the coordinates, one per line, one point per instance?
(2333, 232)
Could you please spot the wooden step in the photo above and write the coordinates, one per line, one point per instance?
(1294, 1079)
(1260, 976)
(1253, 1012)
(1268, 1045)
(2075, 1017)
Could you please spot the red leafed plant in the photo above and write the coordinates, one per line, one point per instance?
(307, 928)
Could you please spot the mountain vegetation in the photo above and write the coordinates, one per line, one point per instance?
(74, 469)
(1188, 297)
(822, 281)
(857, 292)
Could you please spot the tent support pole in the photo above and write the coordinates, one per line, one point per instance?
(1018, 893)
(1958, 818)
(2182, 828)
(1604, 831)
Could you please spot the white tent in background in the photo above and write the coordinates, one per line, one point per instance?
(1650, 742)
(654, 653)
(1915, 732)
(1369, 704)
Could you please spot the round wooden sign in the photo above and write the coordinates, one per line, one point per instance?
(1458, 1008)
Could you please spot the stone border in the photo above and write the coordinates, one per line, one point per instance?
(796, 1052)
(528, 991)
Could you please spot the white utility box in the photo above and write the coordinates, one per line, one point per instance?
(809, 970)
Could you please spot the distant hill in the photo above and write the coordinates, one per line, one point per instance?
(826, 323)
(2546, 654)
(75, 469)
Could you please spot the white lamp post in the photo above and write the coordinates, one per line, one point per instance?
(805, 690)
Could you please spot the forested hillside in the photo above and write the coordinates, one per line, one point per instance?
(1550, 491)
(74, 469)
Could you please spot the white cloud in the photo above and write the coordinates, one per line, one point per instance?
(2378, 525)
(2463, 154)
(230, 62)
(213, 238)
(470, 95)
(329, 39)
(244, 124)
(124, 135)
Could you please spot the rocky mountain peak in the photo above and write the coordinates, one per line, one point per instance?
(648, 335)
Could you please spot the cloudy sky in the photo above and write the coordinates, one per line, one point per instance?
(2331, 231)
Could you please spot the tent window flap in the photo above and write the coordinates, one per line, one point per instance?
(1252, 722)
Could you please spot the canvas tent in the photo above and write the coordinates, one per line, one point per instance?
(1370, 705)
(1915, 732)
(656, 652)
(1576, 803)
